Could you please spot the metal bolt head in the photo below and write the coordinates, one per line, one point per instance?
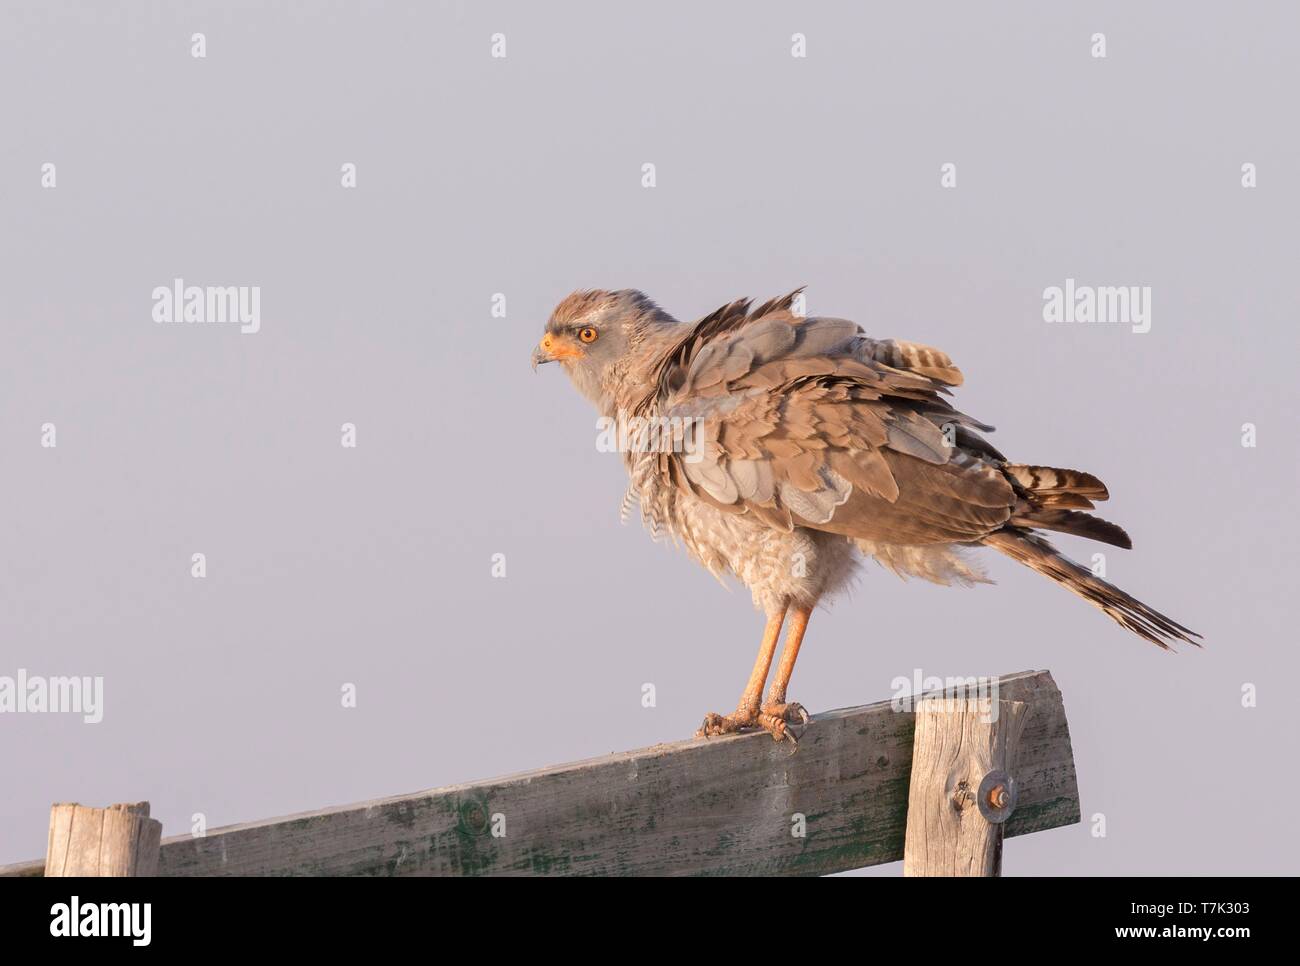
(997, 797)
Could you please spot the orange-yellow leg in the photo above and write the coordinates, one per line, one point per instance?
(776, 706)
(747, 711)
(776, 713)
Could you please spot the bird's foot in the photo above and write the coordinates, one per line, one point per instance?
(717, 724)
(773, 718)
(791, 711)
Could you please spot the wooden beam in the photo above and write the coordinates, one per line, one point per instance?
(728, 805)
(121, 840)
(963, 785)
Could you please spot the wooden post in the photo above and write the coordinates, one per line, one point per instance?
(121, 840)
(962, 787)
(733, 805)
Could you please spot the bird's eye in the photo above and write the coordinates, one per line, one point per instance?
(587, 334)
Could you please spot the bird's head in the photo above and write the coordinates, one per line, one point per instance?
(591, 333)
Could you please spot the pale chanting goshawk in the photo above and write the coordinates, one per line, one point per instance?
(806, 446)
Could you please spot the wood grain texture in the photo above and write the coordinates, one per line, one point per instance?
(121, 840)
(957, 744)
(703, 806)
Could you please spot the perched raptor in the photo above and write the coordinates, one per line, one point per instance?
(783, 449)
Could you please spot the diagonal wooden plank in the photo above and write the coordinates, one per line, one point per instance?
(725, 806)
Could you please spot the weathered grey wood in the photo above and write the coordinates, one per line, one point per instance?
(121, 840)
(963, 785)
(704, 806)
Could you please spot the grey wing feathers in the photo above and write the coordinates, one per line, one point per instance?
(808, 422)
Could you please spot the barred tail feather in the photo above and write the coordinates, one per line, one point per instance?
(1050, 481)
(1127, 611)
(1076, 523)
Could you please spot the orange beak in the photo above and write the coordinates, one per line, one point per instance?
(555, 347)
